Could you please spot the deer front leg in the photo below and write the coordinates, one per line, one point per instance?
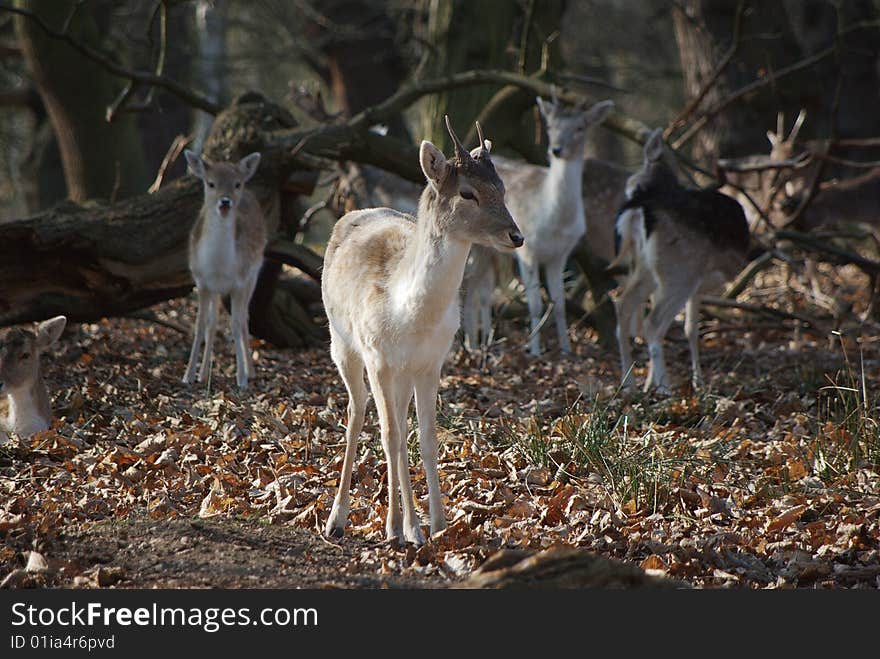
(426, 409)
(412, 530)
(556, 289)
(382, 385)
(213, 305)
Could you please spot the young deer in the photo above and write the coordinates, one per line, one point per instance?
(21, 377)
(225, 255)
(683, 242)
(390, 289)
(548, 205)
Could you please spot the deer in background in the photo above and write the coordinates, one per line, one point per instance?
(769, 176)
(225, 255)
(682, 242)
(21, 377)
(548, 205)
(390, 289)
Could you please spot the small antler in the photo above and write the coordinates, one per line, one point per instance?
(460, 152)
(792, 136)
(480, 136)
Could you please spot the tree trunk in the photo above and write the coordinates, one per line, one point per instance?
(363, 64)
(101, 160)
(90, 261)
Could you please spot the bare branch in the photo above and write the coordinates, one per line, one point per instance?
(193, 98)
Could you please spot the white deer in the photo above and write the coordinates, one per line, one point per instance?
(390, 290)
(225, 255)
(549, 207)
(21, 377)
(682, 242)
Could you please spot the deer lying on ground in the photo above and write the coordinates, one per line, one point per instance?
(390, 289)
(682, 242)
(549, 207)
(21, 377)
(225, 255)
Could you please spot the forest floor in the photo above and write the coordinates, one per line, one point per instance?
(768, 478)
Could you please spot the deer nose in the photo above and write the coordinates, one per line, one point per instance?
(516, 238)
(557, 151)
(225, 202)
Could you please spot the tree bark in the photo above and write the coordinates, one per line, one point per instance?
(101, 160)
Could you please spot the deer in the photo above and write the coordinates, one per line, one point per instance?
(21, 377)
(682, 243)
(225, 256)
(763, 177)
(390, 290)
(549, 207)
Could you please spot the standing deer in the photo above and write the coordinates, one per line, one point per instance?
(765, 176)
(682, 242)
(549, 206)
(390, 290)
(21, 377)
(225, 255)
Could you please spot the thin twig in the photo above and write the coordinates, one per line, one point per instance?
(193, 98)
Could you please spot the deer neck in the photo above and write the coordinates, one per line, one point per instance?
(562, 185)
(433, 264)
(564, 177)
(29, 408)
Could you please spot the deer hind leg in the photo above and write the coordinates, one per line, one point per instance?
(532, 282)
(412, 530)
(484, 303)
(556, 289)
(382, 385)
(198, 337)
(668, 301)
(251, 285)
(351, 368)
(629, 306)
(211, 311)
(469, 303)
(692, 331)
(426, 408)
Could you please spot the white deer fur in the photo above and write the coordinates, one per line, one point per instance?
(681, 243)
(549, 207)
(390, 289)
(225, 255)
(21, 377)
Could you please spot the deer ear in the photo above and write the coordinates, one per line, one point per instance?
(434, 164)
(598, 113)
(49, 331)
(248, 165)
(654, 145)
(195, 164)
(547, 108)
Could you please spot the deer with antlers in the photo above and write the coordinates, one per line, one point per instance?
(390, 290)
(549, 206)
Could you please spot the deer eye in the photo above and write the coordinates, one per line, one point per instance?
(211, 184)
(466, 194)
